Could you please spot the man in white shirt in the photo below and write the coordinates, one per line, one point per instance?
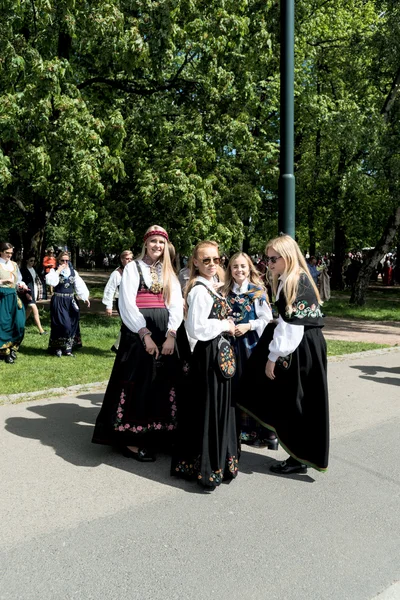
(111, 289)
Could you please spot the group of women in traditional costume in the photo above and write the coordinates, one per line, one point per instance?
(224, 373)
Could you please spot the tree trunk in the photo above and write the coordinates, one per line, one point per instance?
(381, 248)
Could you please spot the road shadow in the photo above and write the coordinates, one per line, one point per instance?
(67, 427)
(369, 371)
(250, 463)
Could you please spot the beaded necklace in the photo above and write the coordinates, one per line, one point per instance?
(155, 275)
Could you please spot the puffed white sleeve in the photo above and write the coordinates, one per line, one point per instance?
(198, 325)
(264, 316)
(109, 290)
(81, 288)
(175, 305)
(129, 312)
(286, 339)
(19, 277)
(52, 278)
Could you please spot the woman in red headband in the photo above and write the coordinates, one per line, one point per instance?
(139, 409)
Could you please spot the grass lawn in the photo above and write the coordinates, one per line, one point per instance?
(381, 305)
(36, 370)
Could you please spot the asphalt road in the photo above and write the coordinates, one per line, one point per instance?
(79, 521)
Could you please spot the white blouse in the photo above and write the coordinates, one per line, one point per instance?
(263, 310)
(111, 289)
(287, 337)
(80, 287)
(129, 312)
(198, 325)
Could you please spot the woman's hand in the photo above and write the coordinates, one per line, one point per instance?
(87, 302)
(151, 347)
(242, 329)
(62, 267)
(231, 327)
(269, 369)
(109, 312)
(168, 346)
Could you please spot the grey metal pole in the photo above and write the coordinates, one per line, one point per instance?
(287, 203)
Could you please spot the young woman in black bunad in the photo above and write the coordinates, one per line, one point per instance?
(139, 412)
(65, 333)
(206, 449)
(251, 313)
(285, 380)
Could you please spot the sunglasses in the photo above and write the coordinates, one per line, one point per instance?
(272, 259)
(207, 261)
(64, 259)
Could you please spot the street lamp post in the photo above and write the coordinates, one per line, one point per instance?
(287, 184)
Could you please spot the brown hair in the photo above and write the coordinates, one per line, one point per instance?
(254, 275)
(6, 246)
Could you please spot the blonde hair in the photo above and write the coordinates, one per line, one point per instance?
(193, 271)
(168, 273)
(126, 253)
(295, 265)
(60, 254)
(254, 275)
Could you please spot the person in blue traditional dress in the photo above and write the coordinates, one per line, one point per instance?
(251, 313)
(140, 409)
(206, 449)
(64, 309)
(285, 381)
(12, 312)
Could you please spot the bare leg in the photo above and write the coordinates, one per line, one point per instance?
(36, 317)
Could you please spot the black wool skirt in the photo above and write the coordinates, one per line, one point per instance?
(206, 448)
(140, 403)
(295, 404)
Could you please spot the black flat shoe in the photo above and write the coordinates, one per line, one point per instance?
(59, 353)
(142, 455)
(287, 468)
(69, 354)
(13, 354)
(9, 360)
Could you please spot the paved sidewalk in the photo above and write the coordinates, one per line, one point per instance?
(353, 330)
(80, 521)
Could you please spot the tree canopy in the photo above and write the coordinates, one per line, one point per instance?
(118, 114)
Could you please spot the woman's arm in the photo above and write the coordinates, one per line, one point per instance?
(129, 312)
(198, 325)
(286, 339)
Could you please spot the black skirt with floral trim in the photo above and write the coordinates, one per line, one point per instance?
(139, 406)
(206, 448)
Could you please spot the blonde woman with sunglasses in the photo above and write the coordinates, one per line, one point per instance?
(207, 448)
(286, 380)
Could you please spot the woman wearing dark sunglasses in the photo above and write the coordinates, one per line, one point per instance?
(285, 380)
(64, 310)
(207, 447)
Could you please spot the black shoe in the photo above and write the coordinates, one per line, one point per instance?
(287, 468)
(59, 353)
(44, 332)
(9, 359)
(113, 349)
(13, 354)
(69, 354)
(270, 443)
(142, 455)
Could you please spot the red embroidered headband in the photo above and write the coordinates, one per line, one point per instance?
(163, 234)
